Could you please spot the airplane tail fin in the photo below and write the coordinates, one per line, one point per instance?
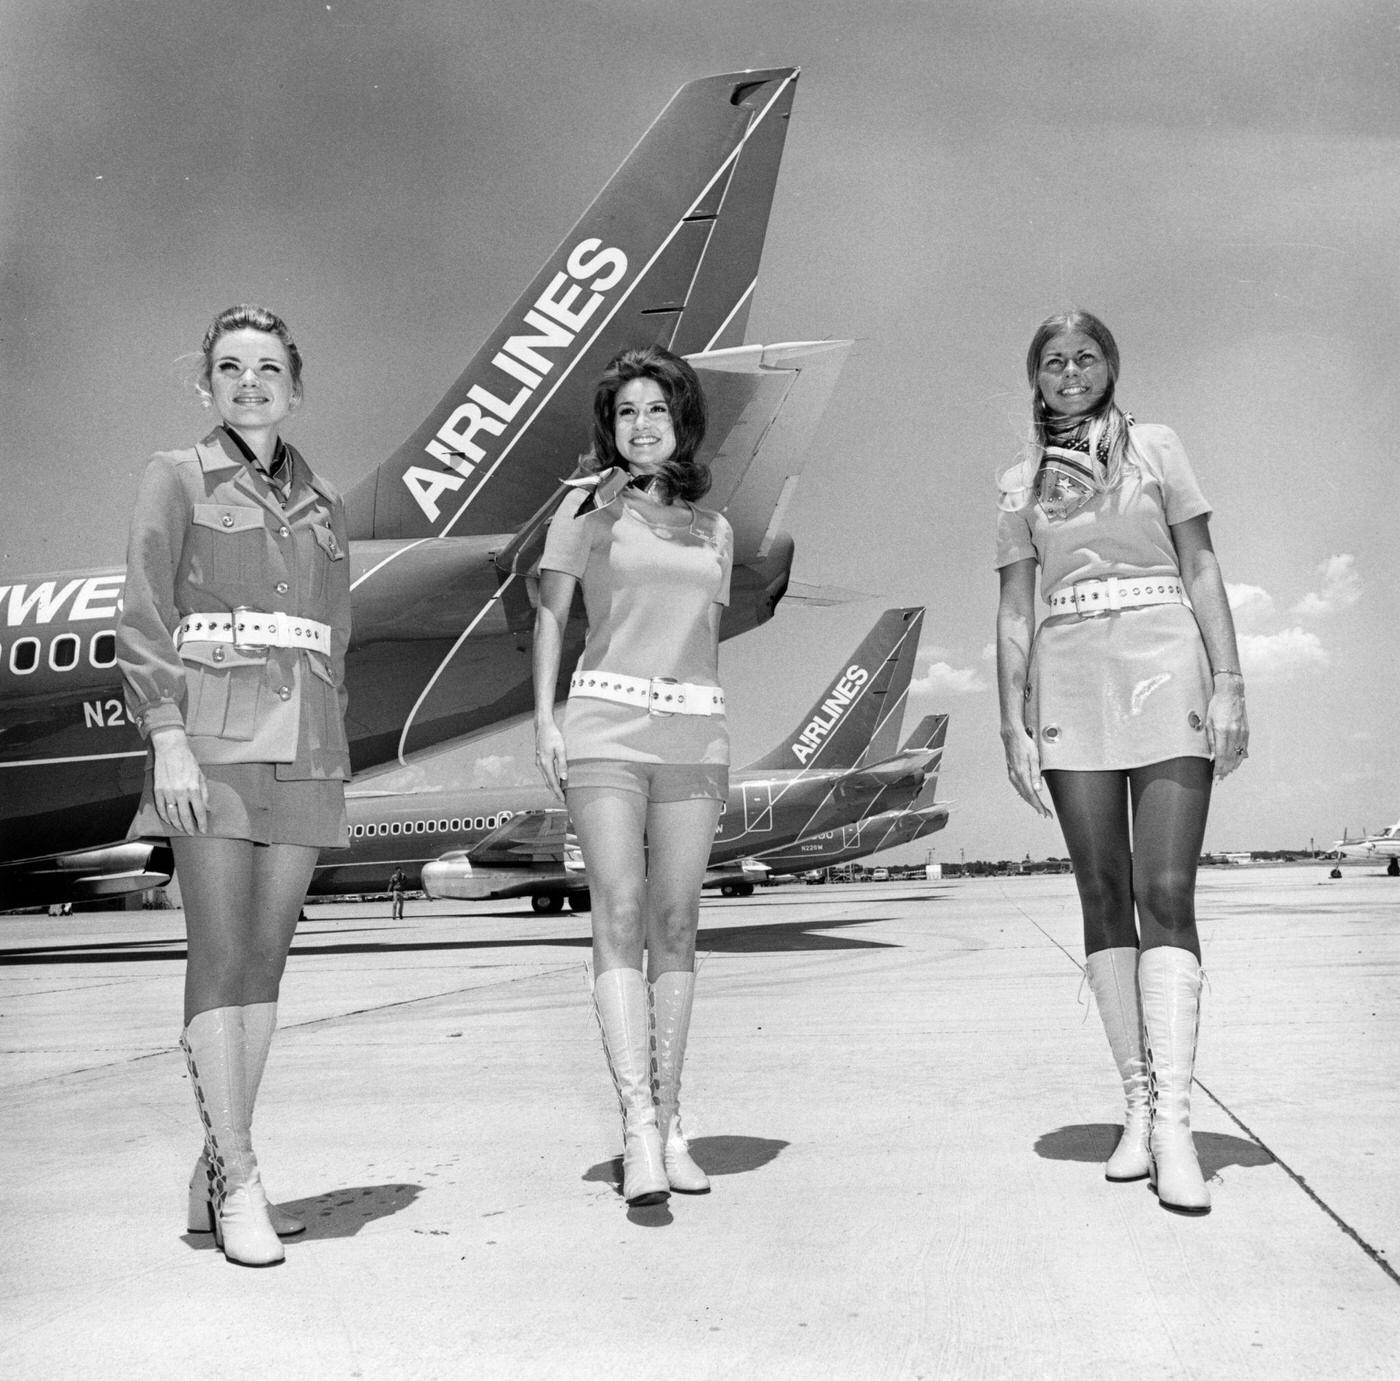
(668, 253)
(867, 691)
(930, 733)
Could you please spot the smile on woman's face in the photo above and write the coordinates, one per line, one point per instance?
(250, 377)
(1073, 377)
(642, 429)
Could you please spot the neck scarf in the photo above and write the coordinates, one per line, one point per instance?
(278, 472)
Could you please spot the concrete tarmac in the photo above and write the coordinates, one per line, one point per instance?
(899, 1093)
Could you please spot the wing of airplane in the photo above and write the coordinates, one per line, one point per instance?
(533, 854)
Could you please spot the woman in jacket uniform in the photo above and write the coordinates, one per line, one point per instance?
(232, 645)
(644, 752)
(1126, 703)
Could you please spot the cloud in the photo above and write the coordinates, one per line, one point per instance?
(1340, 588)
(1250, 604)
(1280, 656)
(941, 679)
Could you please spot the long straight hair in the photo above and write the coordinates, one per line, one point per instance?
(1105, 430)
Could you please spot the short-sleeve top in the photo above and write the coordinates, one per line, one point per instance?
(1125, 531)
(650, 577)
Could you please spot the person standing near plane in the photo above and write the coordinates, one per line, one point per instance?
(232, 646)
(1125, 704)
(396, 888)
(643, 757)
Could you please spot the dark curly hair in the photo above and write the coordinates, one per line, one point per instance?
(682, 476)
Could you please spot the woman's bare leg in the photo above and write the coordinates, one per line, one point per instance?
(611, 827)
(680, 835)
(241, 903)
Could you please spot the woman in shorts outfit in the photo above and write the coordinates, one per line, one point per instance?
(1125, 703)
(232, 644)
(643, 757)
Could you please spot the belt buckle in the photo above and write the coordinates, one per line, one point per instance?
(241, 615)
(652, 684)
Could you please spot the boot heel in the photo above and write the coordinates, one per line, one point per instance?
(199, 1214)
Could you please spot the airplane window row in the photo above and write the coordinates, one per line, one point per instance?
(65, 652)
(455, 826)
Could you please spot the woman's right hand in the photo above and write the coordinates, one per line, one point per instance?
(550, 757)
(181, 793)
(1023, 767)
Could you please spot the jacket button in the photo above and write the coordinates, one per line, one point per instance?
(228, 519)
(282, 587)
(285, 692)
(284, 532)
(218, 654)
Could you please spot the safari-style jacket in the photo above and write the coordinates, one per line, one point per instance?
(210, 535)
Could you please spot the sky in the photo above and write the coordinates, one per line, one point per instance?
(1215, 178)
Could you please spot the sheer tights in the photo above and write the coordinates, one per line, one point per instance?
(646, 861)
(242, 901)
(1149, 865)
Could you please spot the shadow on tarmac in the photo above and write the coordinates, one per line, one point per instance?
(715, 1155)
(780, 938)
(336, 1213)
(1093, 1143)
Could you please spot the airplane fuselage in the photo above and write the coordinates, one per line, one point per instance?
(762, 812)
(71, 761)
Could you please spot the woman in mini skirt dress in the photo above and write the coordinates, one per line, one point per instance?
(1125, 705)
(232, 641)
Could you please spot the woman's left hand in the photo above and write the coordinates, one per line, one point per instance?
(1227, 725)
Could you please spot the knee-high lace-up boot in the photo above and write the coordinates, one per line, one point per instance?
(672, 995)
(620, 1000)
(259, 1022)
(1169, 980)
(1113, 981)
(213, 1046)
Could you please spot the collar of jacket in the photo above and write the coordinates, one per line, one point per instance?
(216, 452)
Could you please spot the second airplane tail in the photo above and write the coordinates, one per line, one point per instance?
(868, 691)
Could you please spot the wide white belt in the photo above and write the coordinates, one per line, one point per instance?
(657, 695)
(1086, 597)
(248, 628)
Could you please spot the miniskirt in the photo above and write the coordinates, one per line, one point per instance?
(659, 782)
(247, 800)
(1118, 690)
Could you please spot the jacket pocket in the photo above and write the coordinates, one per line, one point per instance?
(325, 724)
(228, 543)
(224, 685)
(321, 557)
